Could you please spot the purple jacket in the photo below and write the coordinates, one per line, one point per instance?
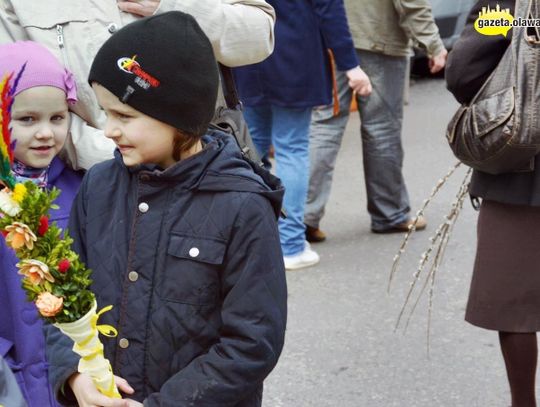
(21, 338)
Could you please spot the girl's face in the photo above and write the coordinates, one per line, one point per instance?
(40, 124)
(140, 138)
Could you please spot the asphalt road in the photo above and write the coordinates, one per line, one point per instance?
(341, 348)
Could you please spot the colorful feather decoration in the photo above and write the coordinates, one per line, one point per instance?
(6, 145)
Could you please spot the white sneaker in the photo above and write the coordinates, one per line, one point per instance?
(303, 259)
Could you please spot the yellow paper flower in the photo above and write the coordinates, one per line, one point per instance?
(8, 205)
(19, 235)
(49, 305)
(35, 271)
(19, 192)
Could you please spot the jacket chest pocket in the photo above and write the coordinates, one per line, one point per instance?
(48, 24)
(191, 273)
(64, 29)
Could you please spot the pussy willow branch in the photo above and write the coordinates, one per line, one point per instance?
(420, 212)
(439, 242)
(462, 195)
(426, 281)
(443, 233)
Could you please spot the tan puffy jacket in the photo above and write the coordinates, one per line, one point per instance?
(391, 26)
(241, 33)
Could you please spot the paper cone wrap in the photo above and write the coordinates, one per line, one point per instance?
(84, 332)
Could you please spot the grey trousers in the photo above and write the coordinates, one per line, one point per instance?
(381, 116)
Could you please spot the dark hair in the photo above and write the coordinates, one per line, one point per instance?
(183, 141)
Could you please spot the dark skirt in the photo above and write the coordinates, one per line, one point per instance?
(505, 287)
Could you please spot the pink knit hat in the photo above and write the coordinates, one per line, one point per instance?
(42, 68)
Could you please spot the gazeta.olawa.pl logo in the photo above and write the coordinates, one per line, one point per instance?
(499, 21)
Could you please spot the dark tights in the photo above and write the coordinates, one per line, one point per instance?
(520, 352)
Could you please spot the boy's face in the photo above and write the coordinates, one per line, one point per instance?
(40, 124)
(140, 138)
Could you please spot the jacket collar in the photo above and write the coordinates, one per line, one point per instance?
(55, 169)
(220, 166)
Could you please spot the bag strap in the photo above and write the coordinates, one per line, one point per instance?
(533, 12)
(519, 11)
(233, 102)
(229, 88)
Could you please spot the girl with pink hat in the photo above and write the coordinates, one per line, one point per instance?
(40, 123)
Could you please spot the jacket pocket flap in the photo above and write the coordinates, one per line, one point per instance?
(202, 249)
(43, 15)
(493, 111)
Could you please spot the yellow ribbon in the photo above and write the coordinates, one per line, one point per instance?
(111, 392)
(104, 329)
(107, 330)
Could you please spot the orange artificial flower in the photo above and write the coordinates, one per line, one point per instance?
(49, 305)
(19, 235)
(35, 271)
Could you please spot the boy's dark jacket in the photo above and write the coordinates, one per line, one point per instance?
(191, 261)
(470, 63)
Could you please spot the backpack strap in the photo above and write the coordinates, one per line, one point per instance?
(229, 88)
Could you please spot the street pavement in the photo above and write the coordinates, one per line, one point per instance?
(341, 349)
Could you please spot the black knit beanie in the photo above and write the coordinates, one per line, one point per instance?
(164, 67)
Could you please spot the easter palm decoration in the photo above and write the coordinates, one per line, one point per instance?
(53, 277)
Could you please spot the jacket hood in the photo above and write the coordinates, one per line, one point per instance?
(219, 167)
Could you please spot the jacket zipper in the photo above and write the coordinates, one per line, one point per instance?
(61, 44)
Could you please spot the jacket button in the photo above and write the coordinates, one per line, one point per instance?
(145, 177)
(143, 207)
(37, 370)
(123, 343)
(133, 276)
(112, 28)
(193, 252)
(29, 315)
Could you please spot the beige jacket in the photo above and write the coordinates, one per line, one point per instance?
(391, 26)
(241, 33)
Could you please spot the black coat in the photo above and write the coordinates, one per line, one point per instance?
(474, 56)
(470, 62)
(205, 317)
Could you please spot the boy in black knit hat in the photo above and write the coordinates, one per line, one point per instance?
(180, 232)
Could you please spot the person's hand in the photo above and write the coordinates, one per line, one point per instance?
(438, 62)
(133, 403)
(359, 81)
(89, 396)
(143, 8)
(123, 385)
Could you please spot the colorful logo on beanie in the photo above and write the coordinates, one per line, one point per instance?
(142, 78)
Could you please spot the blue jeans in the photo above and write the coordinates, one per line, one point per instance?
(381, 116)
(287, 129)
